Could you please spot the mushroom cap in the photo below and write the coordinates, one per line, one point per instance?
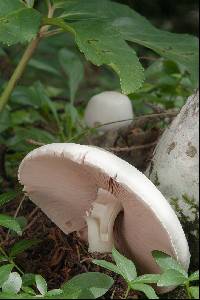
(108, 107)
(63, 179)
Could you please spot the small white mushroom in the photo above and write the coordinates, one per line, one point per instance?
(109, 107)
(83, 187)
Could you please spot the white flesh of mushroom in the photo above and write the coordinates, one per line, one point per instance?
(100, 222)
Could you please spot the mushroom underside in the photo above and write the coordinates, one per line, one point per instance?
(76, 196)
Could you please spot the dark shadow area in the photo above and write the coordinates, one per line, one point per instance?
(177, 16)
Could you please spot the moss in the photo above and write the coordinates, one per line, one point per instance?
(156, 180)
(191, 228)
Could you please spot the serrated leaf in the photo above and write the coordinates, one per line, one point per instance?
(194, 290)
(10, 223)
(73, 68)
(148, 278)
(18, 24)
(5, 272)
(171, 278)
(22, 246)
(146, 289)
(13, 284)
(194, 276)
(166, 262)
(125, 266)
(87, 286)
(131, 27)
(107, 265)
(94, 40)
(41, 284)
(7, 197)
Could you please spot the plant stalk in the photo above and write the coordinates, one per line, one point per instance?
(127, 292)
(18, 72)
(11, 261)
(187, 288)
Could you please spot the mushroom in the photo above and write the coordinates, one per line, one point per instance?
(175, 169)
(111, 108)
(87, 189)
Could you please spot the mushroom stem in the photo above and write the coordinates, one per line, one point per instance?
(100, 222)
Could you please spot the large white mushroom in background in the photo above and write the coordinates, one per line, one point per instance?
(175, 168)
(109, 107)
(87, 189)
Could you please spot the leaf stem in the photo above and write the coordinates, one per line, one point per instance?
(18, 72)
(4, 98)
(11, 260)
(127, 292)
(187, 288)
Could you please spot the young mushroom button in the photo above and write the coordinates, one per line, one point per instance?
(84, 188)
(111, 108)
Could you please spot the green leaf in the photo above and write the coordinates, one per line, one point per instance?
(171, 278)
(194, 290)
(3, 259)
(28, 290)
(73, 68)
(54, 292)
(148, 278)
(26, 96)
(46, 101)
(194, 276)
(94, 22)
(43, 66)
(13, 284)
(4, 120)
(4, 273)
(166, 262)
(7, 197)
(41, 284)
(87, 286)
(22, 135)
(10, 223)
(28, 279)
(146, 289)
(18, 24)
(30, 3)
(125, 266)
(18, 296)
(20, 117)
(94, 40)
(22, 246)
(107, 265)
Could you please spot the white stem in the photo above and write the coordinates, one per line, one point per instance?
(100, 222)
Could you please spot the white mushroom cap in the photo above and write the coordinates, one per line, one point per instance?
(75, 185)
(108, 107)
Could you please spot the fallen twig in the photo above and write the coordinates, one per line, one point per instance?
(131, 148)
